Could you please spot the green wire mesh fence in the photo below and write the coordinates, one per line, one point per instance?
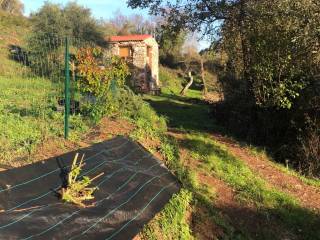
(34, 101)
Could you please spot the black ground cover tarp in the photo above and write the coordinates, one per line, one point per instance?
(134, 187)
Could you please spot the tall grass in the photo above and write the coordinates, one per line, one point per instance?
(28, 116)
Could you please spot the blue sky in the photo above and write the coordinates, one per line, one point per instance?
(100, 8)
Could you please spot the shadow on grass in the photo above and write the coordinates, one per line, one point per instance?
(264, 224)
(277, 215)
(184, 99)
(190, 114)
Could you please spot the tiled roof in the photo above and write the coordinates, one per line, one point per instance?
(129, 38)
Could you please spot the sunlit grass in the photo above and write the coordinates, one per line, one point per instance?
(286, 169)
(28, 117)
(194, 119)
(217, 161)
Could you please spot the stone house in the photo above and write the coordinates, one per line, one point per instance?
(142, 55)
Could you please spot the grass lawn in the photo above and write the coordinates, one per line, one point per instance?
(183, 112)
(192, 118)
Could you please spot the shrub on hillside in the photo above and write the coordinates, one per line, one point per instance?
(53, 21)
(148, 124)
(97, 79)
(50, 26)
(102, 83)
(96, 74)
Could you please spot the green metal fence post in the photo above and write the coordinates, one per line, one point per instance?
(67, 90)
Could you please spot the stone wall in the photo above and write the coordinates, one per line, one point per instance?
(155, 60)
(138, 64)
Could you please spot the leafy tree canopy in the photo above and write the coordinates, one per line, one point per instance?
(272, 46)
(74, 21)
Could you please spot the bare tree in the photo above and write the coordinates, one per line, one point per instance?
(184, 90)
(133, 24)
(205, 90)
(191, 60)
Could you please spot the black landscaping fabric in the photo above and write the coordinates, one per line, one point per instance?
(135, 186)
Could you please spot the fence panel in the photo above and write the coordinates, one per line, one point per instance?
(33, 96)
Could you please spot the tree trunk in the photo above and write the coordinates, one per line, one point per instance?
(184, 90)
(245, 46)
(205, 90)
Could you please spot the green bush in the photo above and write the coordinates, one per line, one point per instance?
(100, 81)
(128, 105)
(98, 75)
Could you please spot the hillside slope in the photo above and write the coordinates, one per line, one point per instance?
(230, 190)
(238, 192)
(13, 31)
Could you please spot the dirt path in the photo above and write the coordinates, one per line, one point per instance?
(309, 196)
(245, 219)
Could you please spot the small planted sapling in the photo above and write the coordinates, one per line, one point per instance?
(77, 190)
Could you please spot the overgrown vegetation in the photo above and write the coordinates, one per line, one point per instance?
(54, 22)
(98, 80)
(261, 91)
(270, 73)
(77, 188)
(209, 158)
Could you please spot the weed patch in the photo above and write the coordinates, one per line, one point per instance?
(77, 190)
(28, 117)
(171, 223)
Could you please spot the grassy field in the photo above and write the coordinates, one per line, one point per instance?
(203, 156)
(28, 117)
(182, 112)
